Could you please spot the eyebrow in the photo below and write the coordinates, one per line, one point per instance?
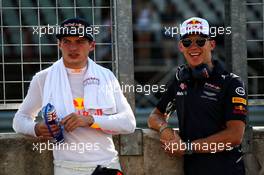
(79, 39)
(64, 39)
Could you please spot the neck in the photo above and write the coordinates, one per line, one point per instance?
(210, 65)
(75, 66)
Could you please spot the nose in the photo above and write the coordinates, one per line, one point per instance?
(73, 46)
(193, 45)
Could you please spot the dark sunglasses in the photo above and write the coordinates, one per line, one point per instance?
(187, 42)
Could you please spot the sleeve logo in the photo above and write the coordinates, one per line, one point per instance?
(240, 91)
(239, 100)
(240, 110)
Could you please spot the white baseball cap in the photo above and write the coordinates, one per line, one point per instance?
(194, 25)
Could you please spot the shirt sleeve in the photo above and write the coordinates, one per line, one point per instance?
(167, 96)
(24, 120)
(236, 101)
(123, 122)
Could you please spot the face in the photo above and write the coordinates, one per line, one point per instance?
(75, 50)
(195, 54)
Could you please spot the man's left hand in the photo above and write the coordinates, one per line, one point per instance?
(73, 121)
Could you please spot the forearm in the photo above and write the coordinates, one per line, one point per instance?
(120, 123)
(24, 125)
(123, 120)
(223, 140)
(214, 143)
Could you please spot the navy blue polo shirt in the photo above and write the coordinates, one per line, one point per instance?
(203, 108)
(208, 104)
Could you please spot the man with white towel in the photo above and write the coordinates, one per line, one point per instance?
(88, 101)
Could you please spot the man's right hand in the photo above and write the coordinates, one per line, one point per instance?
(168, 134)
(41, 130)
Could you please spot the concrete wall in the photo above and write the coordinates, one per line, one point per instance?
(140, 154)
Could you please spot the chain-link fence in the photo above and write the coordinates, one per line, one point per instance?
(255, 48)
(28, 42)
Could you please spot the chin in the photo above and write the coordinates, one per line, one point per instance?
(196, 62)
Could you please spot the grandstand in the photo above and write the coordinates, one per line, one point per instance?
(150, 62)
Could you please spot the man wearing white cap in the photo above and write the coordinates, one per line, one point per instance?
(211, 107)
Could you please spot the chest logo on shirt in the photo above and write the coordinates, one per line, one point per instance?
(79, 107)
(210, 91)
(183, 86)
(210, 94)
(91, 81)
(78, 103)
(182, 90)
(180, 93)
(212, 87)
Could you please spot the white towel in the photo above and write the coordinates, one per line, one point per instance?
(98, 89)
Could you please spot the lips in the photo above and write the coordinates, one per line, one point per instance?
(194, 54)
(74, 55)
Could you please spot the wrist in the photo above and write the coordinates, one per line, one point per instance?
(90, 120)
(188, 148)
(163, 126)
(36, 130)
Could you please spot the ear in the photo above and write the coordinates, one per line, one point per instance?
(91, 46)
(212, 44)
(180, 46)
(59, 43)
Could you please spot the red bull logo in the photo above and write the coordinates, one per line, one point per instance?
(241, 108)
(192, 22)
(79, 106)
(78, 103)
(194, 25)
